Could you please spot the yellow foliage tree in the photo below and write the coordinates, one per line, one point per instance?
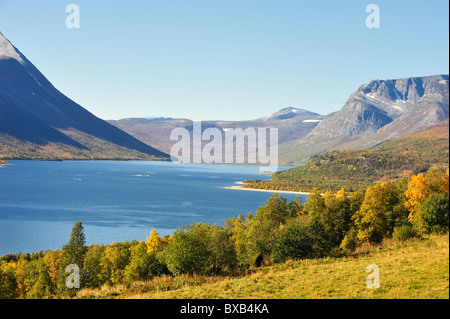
(113, 262)
(55, 258)
(416, 194)
(371, 219)
(156, 244)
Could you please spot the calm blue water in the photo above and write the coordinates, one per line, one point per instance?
(41, 201)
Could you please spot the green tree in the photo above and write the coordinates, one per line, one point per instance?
(434, 214)
(315, 204)
(276, 209)
(295, 207)
(143, 264)
(92, 270)
(435, 179)
(75, 249)
(189, 252)
(336, 217)
(293, 241)
(223, 250)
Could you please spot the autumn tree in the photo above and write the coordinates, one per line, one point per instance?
(239, 236)
(114, 260)
(380, 212)
(8, 282)
(156, 244)
(416, 194)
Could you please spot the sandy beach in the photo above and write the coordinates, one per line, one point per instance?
(240, 187)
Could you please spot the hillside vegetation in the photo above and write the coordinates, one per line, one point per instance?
(93, 149)
(353, 170)
(331, 237)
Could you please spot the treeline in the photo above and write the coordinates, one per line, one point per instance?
(307, 184)
(12, 148)
(351, 170)
(330, 224)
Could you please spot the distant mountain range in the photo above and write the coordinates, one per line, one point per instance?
(378, 111)
(39, 122)
(292, 124)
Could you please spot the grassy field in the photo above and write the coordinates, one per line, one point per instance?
(414, 269)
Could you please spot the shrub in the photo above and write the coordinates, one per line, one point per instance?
(350, 241)
(404, 232)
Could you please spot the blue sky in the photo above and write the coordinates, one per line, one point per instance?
(224, 60)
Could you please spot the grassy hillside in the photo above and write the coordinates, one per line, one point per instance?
(413, 269)
(353, 170)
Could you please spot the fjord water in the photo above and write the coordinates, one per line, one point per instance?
(115, 200)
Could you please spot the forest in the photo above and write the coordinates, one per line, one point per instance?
(329, 224)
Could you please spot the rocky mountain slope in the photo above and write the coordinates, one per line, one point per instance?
(376, 112)
(39, 122)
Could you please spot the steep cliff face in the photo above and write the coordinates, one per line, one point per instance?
(377, 111)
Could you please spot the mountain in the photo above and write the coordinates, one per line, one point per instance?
(292, 124)
(376, 112)
(352, 170)
(39, 122)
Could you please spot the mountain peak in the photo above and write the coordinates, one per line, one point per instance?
(8, 51)
(404, 89)
(290, 112)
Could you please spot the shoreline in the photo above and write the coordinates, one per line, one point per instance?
(240, 187)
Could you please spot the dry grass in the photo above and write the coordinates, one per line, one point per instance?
(415, 269)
